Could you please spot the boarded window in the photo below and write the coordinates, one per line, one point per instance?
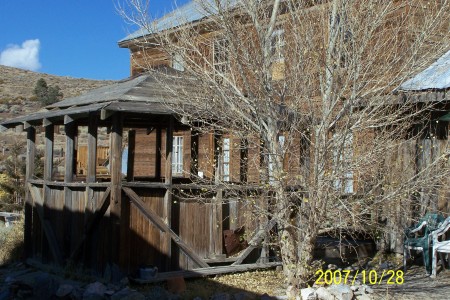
(342, 162)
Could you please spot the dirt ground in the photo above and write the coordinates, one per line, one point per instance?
(417, 285)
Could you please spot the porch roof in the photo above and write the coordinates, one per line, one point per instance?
(149, 93)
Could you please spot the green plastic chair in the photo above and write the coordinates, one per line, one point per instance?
(418, 237)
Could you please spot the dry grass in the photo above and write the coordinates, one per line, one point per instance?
(256, 283)
(11, 243)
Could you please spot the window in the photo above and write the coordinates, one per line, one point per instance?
(277, 45)
(281, 142)
(220, 58)
(226, 159)
(177, 155)
(178, 62)
(342, 158)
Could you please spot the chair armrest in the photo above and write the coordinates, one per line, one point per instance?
(445, 226)
(415, 229)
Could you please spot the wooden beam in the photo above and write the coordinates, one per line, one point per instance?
(131, 154)
(158, 145)
(92, 148)
(255, 241)
(117, 249)
(91, 221)
(29, 172)
(207, 272)
(70, 129)
(162, 226)
(46, 122)
(48, 164)
(68, 119)
(194, 153)
(167, 208)
(105, 114)
(47, 228)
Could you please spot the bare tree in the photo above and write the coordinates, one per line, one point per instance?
(311, 85)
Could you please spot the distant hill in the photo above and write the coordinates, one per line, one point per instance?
(17, 85)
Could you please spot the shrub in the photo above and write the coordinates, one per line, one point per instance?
(11, 242)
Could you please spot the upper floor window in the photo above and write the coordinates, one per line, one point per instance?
(177, 155)
(277, 45)
(178, 62)
(221, 60)
(342, 161)
(226, 159)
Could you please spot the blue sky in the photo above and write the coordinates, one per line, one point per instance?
(76, 38)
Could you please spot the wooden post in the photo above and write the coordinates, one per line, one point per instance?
(92, 148)
(49, 137)
(91, 174)
(216, 215)
(167, 210)
(29, 172)
(116, 188)
(70, 129)
(48, 169)
(158, 154)
(131, 153)
(194, 153)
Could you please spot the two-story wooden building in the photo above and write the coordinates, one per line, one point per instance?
(161, 194)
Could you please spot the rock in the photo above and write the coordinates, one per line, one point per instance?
(366, 289)
(64, 290)
(291, 292)
(341, 292)
(94, 289)
(157, 293)
(385, 265)
(244, 296)
(176, 285)
(364, 297)
(127, 294)
(332, 267)
(323, 294)
(267, 297)
(279, 269)
(221, 296)
(308, 294)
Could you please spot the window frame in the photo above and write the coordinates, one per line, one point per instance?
(177, 156)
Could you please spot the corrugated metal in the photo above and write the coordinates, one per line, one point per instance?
(190, 12)
(436, 76)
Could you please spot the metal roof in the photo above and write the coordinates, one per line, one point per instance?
(188, 13)
(436, 76)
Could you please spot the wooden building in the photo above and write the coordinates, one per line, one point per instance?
(136, 203)
(131, 216)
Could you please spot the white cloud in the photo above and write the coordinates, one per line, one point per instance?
(24, 57)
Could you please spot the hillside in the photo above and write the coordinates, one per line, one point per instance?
(17, 85)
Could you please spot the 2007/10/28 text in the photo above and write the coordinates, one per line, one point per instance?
(367, 277)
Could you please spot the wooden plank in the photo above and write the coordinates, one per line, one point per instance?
(162, 226)
(158, 153)
(207, 272)
(194, 153)
(92, 148)
(91, 221)
(255, 241)
(131, 154)
(29, 172)
(70, 129)
(47, 228)
(48, 164)
(116, 190)
(167, 209)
